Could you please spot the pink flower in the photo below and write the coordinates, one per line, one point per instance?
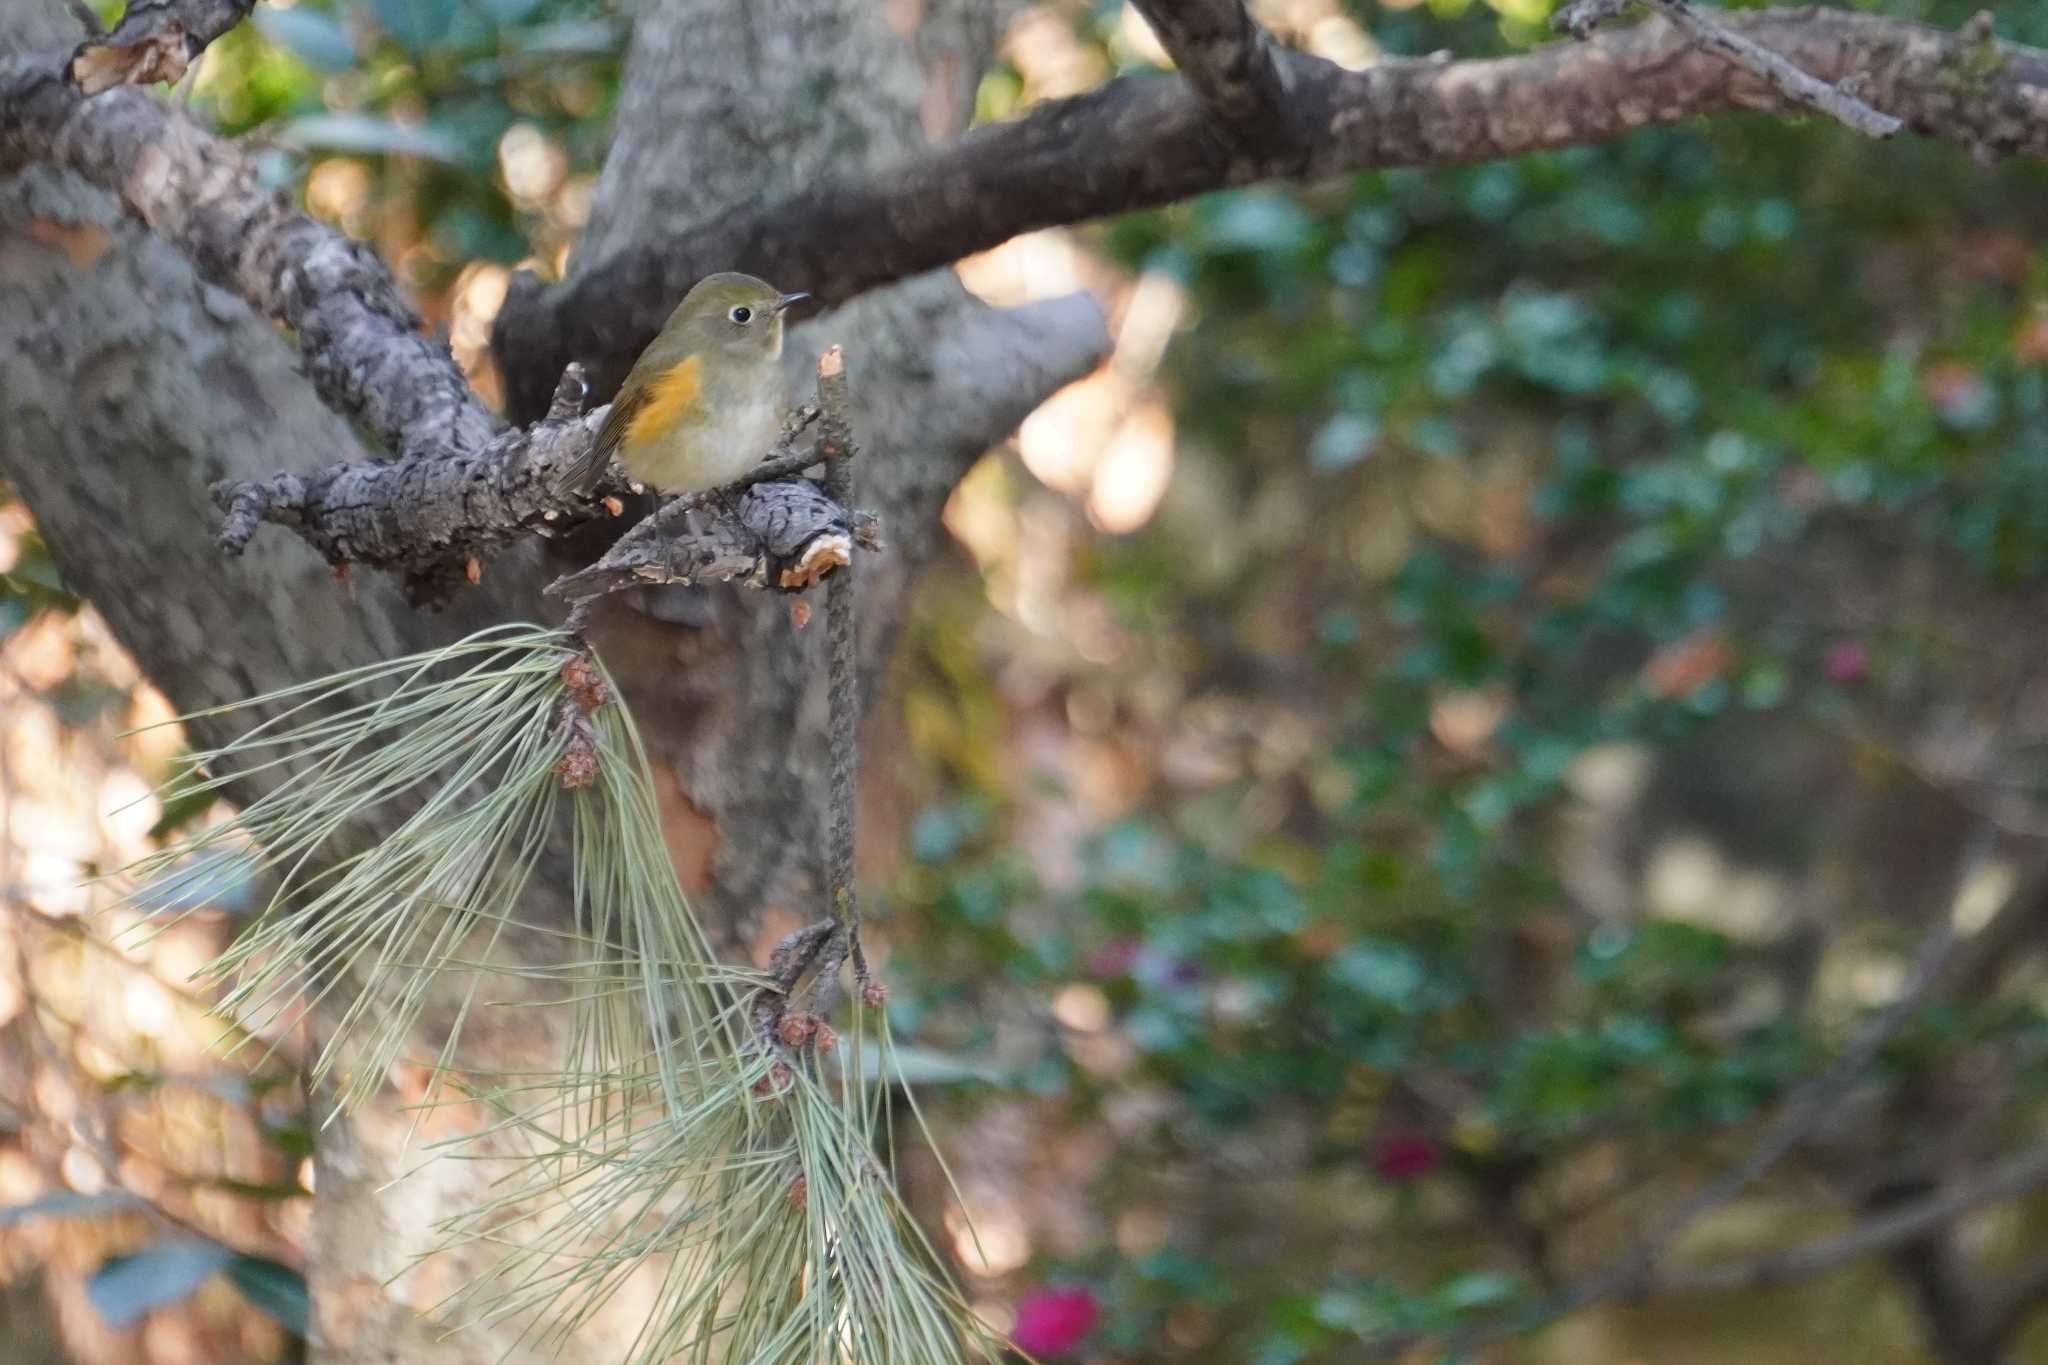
(1846, 662)
(1051, 1322)
(1115, 958)
(1403, 1157)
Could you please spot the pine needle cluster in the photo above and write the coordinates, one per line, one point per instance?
(406, 809)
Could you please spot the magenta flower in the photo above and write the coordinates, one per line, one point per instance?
(1846, 662)
(1115, 958)
(1051, 1322)
(1402, 1157)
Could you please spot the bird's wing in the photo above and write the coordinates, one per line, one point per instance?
(649, 405)
(587, 471)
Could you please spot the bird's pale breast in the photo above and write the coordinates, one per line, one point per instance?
(675, 444)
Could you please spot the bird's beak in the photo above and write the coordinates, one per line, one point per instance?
(782, 301)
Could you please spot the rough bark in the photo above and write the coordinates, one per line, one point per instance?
(1148, 140)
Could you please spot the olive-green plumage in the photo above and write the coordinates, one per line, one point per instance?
(704, 401)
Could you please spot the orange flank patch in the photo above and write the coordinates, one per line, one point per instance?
(670, 399)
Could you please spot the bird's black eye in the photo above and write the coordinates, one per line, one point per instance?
(742, 314)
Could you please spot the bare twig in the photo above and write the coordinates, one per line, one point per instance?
(363, 346)
(843, 673)
(1581, 17)
(426, 515)
(1795, 85)
(823, 948)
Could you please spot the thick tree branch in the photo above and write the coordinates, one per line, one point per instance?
(361, 343)
(1144, 141)
(427, 515)
(156, 40)
(432, 518)
(1228, 59)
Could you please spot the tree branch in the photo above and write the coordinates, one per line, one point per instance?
(1229, 60)
(2015, 1175)
(1837, 102)
(426, 516)
(431, 518)
(2010, 1305)
(156, 40)
(1143, 141)
(360, 341)
(785, 533)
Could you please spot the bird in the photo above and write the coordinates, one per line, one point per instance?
(705, 400)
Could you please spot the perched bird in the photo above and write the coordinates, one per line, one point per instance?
(704, 401)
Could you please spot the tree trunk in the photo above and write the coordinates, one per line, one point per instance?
(132, 385)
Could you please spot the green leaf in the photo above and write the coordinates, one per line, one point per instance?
(184, 796)
(368, 134)
(1257, 220)
(1343, 441)
(1387, 973)
(255, 1189)
(416, 24)
(314, 38)
(127, 1288)
(69, 1204)
(275, 1288)
(1478, 1289)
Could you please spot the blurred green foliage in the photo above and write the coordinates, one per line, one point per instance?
(421, 93)
(1681, 359)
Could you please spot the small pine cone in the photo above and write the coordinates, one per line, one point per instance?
(586, 685)
(778, 1080)
(875, 994)
(796, 1028)
(800, 1192)
(828, 1037)
(577, 766)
